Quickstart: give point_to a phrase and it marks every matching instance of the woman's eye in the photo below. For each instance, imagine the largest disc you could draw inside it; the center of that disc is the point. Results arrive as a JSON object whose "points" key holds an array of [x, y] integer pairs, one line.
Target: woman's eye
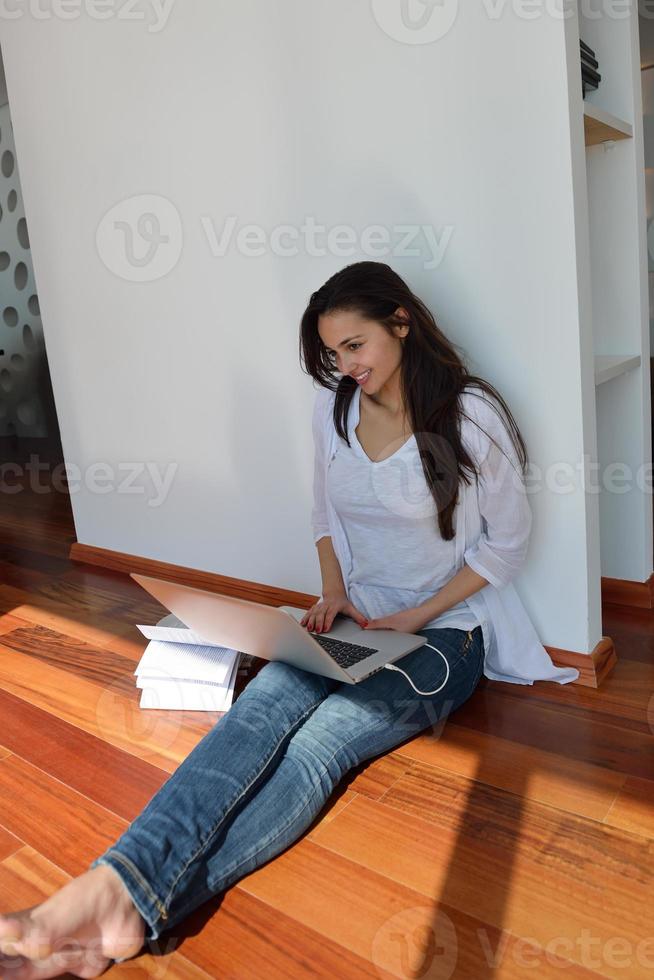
{"points": [[332, 354]]}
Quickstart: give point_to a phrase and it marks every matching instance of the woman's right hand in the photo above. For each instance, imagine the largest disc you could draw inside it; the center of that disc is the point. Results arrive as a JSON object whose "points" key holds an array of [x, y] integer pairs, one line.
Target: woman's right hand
{"points": [[322, 614]]}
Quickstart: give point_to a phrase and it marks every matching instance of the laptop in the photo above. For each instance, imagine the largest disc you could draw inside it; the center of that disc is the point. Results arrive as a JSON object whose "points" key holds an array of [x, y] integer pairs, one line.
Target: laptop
{"points": [[346, 652]]}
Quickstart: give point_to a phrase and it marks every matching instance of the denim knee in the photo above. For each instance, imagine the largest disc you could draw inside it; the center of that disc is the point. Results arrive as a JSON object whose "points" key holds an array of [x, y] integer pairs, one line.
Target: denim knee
{"points": [[319, 760], [280, 679], [329, 743]]}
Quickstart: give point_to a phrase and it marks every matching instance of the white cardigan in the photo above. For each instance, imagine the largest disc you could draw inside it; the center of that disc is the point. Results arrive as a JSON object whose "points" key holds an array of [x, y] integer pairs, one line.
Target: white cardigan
{"points": [[513, 651]]}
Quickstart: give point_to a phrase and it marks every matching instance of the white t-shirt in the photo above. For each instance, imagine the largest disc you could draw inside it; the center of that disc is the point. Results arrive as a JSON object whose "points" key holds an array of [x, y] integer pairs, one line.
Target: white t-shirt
{"points": [[492, 522], [399, 558]]}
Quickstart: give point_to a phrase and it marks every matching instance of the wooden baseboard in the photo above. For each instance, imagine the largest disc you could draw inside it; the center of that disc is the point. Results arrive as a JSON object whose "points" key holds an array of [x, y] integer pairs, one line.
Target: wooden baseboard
{"points": [[622, 592], [593, 667]]}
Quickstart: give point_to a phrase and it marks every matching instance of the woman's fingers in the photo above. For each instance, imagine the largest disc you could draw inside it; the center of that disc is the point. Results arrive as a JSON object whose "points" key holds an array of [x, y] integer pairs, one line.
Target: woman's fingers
{"points": [[308, 616], [316, 620]]}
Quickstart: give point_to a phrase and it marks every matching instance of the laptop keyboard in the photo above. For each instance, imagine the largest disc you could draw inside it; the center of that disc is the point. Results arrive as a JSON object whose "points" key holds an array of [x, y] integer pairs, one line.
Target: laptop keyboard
{"points": [[345, 654]]}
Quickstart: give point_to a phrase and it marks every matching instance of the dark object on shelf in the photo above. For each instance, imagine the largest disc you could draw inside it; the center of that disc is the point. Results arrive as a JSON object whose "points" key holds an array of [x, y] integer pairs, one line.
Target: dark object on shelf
{"points": [[590, 78], [586, 87], [587, 60]]}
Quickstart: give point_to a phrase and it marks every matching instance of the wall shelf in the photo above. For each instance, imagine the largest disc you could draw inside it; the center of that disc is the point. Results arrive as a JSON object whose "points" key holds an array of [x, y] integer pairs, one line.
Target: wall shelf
{"points": [[600, 125], [609, 366]]}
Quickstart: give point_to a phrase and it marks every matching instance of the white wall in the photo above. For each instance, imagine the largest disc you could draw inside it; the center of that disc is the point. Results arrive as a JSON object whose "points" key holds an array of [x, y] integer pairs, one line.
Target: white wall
{"points": [[273, 112]]}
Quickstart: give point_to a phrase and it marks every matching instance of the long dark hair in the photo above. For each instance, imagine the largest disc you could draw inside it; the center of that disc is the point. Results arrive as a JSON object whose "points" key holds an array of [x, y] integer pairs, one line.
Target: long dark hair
{"points": [[432, 375]]}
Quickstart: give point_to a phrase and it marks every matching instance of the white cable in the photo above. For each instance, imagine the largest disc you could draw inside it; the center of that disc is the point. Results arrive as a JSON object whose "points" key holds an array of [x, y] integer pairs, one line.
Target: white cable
{"points": [[425, 693]]}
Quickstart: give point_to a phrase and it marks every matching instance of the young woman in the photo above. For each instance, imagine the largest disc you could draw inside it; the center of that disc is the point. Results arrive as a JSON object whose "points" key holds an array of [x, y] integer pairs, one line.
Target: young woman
{"points": [[399, 434]]}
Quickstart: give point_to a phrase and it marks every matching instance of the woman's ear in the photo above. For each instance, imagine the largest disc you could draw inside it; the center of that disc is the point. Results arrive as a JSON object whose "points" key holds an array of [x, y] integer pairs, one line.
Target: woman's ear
{"points": [[402, 331]]}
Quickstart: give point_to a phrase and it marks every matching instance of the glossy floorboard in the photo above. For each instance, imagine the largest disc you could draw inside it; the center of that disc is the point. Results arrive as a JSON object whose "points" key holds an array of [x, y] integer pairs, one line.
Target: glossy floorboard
{"points": [[517, 839]]}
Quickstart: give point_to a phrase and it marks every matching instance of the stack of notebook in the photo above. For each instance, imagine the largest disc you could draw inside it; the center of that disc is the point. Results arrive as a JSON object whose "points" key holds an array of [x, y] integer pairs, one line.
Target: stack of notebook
{"points": [[181, 671], [590, 77]]}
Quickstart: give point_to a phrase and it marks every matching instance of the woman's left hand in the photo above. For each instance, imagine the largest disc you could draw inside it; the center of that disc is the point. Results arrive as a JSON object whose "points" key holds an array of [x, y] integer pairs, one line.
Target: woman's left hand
{"points": [[405, 621]]}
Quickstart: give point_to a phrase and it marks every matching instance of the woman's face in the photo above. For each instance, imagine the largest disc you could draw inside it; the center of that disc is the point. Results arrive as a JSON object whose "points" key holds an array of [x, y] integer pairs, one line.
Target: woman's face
{"points": [[357, 346]]}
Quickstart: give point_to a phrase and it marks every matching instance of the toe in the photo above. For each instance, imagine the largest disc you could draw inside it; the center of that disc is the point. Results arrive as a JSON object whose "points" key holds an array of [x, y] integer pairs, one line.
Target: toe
{"points": [[21, 968], [18, 937], [11, 926], [71, 961]]}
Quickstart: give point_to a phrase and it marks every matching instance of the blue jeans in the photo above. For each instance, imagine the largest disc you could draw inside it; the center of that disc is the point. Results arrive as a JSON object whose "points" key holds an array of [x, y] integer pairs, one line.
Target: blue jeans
{"points": [[258, 779]]}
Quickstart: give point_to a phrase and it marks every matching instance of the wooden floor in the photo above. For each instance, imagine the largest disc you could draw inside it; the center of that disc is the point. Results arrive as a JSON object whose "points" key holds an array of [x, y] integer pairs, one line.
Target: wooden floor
{"points": [[517, 840]]}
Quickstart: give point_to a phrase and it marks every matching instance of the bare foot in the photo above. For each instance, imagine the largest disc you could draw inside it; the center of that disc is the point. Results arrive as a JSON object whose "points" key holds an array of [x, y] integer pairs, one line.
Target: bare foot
{"points": [[80, 929]]}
